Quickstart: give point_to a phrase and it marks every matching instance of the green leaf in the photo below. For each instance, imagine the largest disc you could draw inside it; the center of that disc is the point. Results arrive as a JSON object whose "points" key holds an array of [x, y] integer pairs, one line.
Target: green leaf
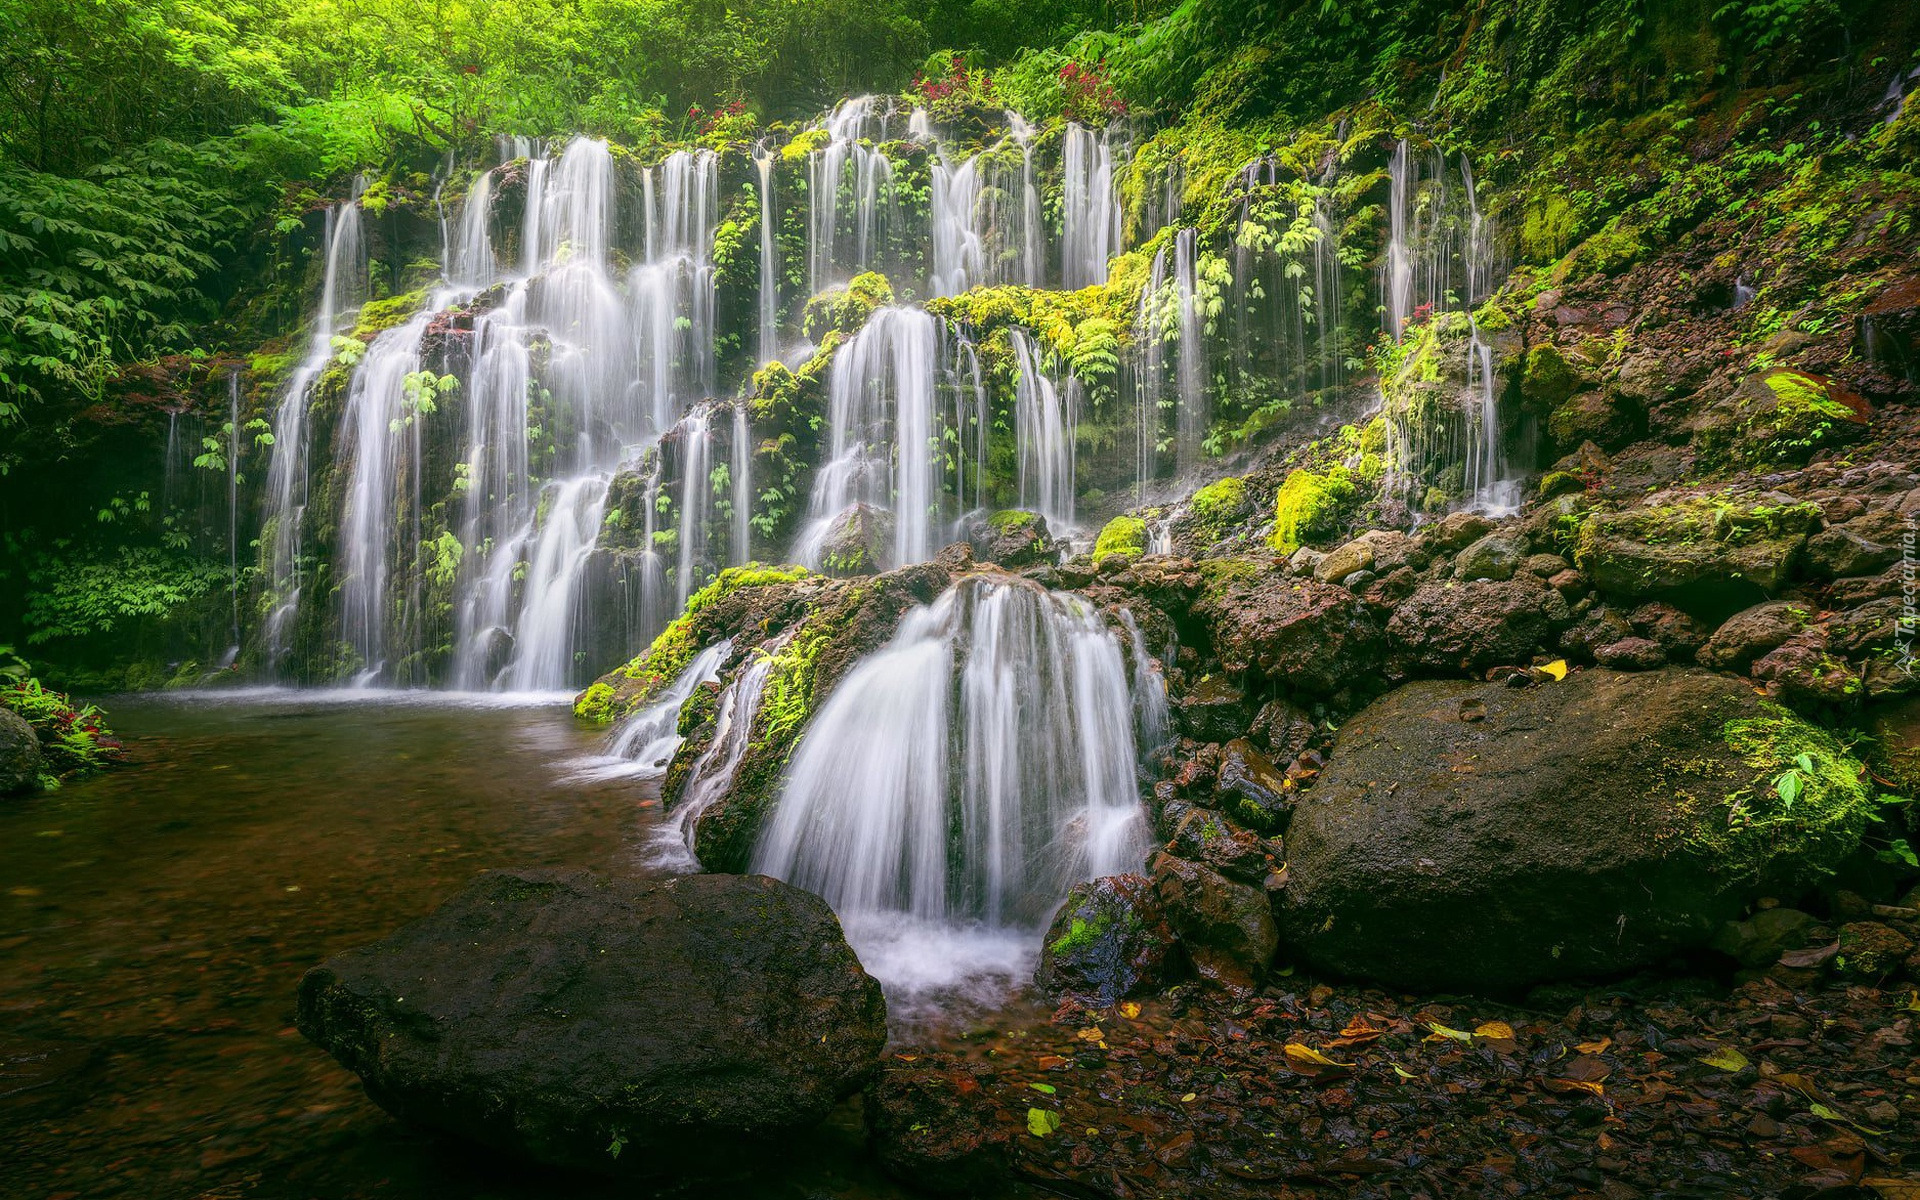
{"points": [[1041, 1122]]}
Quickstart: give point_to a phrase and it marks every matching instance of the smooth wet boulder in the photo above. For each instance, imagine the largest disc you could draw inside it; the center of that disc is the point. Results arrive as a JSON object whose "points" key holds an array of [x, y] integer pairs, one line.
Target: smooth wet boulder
{"points": [[1213, 710], [20, 759], [1478, 836], [1110, 940], [1472, 625], [606, 1024], [1227, 928], [1251, 789], [933, 1127]]}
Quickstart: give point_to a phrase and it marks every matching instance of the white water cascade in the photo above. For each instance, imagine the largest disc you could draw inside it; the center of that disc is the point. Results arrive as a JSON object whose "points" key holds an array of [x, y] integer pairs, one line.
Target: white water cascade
{"points": [[1170, 316], [969, 772], [850, 192], [343, 287], [712, 772], [1043, 425], [648, 738], [1090, 207], [883, 452], [769, 347]]}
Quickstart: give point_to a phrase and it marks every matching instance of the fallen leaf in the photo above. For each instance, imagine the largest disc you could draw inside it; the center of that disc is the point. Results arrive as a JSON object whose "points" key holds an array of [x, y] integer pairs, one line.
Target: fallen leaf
{"points": [[1190, 1097], [1812, 956], [1048, 1062], [1041, 1121], [1440, 1033], [1575, 1085], [1494, 1029], [1599, 1047], [1557, 668], [1828, 1114], [1726, 1058], [1130, 1010], [1894, 1189], [1093, 1034], [1308, 1061], [1403, 1073], [1042, 1087], [1358, 1032]]}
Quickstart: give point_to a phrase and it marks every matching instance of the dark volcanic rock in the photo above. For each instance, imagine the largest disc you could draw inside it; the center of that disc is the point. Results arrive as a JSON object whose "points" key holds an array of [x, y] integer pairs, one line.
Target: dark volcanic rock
{"points": [[1473, 625], [557, 1015], [1251, 789], [1213, 710], [1316, 636], [1284, 728], [933, 1128], [1477, 836], [1110, 940], [20, 760], [1226, 927], [1013, 538]]}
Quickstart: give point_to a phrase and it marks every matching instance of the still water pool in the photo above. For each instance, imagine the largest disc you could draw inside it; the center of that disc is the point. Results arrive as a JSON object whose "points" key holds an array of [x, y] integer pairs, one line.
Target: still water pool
{"points": [[154, 923]]}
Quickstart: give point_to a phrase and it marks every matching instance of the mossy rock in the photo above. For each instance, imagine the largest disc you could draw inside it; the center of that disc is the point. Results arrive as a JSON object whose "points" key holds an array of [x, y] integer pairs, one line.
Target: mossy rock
{"points": [[1125, 537], [1780, 417], [1310, 507], [1574, 829], [1712, 550], [844, 310], [1219, 504]]}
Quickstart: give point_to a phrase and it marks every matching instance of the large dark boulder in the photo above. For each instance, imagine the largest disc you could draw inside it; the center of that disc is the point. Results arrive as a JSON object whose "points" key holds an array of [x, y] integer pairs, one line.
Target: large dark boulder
{"points": [[606, 1024], [1227, 928], [1478, 836], [1472, 625], [20, 759]]}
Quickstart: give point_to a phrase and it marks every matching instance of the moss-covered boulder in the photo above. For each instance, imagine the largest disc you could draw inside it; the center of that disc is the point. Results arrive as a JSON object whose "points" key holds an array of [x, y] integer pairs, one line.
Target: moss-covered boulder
{"points": [[1310, 506], [1480, 837], [1122, 537], [1110, 940], [1778, 417], [1013, 537], [1219, 505], [845, 309], [1704, 550]]}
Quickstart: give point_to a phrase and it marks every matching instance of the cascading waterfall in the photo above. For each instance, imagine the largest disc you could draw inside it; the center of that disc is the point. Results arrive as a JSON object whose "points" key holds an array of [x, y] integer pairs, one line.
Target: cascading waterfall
{"points": [[972, 770], [1090, 207], [712, 772], [1170, 313], [555, 554], [742, 480], [695, 448], [883, 453], [649, 737], [850, 162], [769, 267], [1044, 425], [342, 288]]}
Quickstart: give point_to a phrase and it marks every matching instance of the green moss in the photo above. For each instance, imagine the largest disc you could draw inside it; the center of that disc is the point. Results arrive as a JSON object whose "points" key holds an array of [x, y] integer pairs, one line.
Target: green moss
{"points": [[1082, 934], [1218, 504], [1308, 506], [595, 704], [378, 316], [1548, 379], [845, 310], [1805, 811], [1010, 519], [683, 638], [1125, 537]]}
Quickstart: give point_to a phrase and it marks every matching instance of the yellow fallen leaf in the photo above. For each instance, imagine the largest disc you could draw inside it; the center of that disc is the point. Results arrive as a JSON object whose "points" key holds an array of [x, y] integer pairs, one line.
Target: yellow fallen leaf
{"points": [[1913, 1001], [1190, 1097], [1726, 1058], [1403, 1073], [1828, 1114], [1440, 1033], [1599, 1047], [1494, 1029], [1130, 1010], [1093, 1034], [1305, 1057], [1557, 668]]}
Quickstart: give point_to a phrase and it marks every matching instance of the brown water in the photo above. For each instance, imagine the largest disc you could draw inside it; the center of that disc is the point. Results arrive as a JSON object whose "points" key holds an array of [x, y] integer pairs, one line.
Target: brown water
{"points": [[156, 920]]}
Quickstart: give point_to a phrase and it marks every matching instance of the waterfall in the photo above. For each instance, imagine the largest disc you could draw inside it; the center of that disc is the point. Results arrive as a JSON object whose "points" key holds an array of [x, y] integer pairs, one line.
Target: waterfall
{"points": [[471, 261], [1032, 256], [343, 286], [742, 472], [959, 254], [769, 283], [555, 554], [1170, 311], [570, 363], [848, 161], [1090, 208], [1150, 708], [1397, 284], [695, 438], [233, 505], [649, 737], [712, 772], [375, 437], [882, 449], [1044, 427], [973, 769]]}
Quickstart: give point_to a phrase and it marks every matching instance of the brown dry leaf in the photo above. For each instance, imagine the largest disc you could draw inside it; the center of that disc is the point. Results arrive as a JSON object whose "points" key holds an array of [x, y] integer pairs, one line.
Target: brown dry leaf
{"points": [[1894, 1189], [1812, 956], [1575, 1085], [1049, 1061], [1599, 1047], [1587, 1069], [1358, 1032]]}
